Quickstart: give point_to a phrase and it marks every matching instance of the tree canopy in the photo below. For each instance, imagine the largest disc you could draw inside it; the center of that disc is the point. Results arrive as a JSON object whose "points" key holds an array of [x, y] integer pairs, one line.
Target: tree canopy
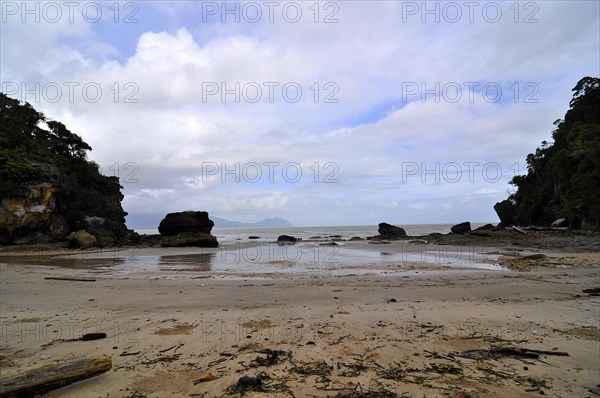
{"points": [[563, 177]]}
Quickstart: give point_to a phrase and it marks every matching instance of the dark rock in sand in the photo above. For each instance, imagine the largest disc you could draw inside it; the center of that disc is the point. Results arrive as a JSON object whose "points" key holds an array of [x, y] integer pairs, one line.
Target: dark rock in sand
{"points": [[461, 228], [186, 221], [481, 233], [253, 237], [286, 238], [356, 238], [486, 227], [435, 235], [388, 231], [186, 239]]}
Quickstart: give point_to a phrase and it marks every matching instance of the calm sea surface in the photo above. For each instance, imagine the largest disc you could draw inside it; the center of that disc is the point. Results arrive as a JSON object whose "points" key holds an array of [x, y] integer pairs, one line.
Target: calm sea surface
{"points": [[239, 257], [346, 232]]}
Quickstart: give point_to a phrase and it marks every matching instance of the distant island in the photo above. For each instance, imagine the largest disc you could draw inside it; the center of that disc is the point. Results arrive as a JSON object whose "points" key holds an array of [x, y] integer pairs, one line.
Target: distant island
{"points": [[275, 222]]}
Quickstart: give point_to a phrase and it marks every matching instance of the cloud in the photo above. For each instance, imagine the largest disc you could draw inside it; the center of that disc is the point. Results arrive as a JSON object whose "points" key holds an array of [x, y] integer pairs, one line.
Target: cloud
{"points": [[450, 144]]}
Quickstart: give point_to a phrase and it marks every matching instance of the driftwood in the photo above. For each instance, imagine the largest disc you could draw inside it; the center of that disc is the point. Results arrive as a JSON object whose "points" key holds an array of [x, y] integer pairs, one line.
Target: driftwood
{"points": [[495, 353], [57, 278], [50, 377], [93, 336]]}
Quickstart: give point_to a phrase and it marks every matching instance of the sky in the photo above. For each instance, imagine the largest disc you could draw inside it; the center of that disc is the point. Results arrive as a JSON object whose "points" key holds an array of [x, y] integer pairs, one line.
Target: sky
{"points": [[319, 112]]}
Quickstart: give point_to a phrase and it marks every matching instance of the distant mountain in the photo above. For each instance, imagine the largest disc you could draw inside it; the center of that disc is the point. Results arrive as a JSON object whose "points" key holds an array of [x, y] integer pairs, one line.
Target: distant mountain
{"points": [[275, 222]]}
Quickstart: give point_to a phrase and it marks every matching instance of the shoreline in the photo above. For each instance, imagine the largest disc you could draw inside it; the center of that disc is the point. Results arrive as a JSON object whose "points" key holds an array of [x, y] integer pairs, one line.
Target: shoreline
{"points": [[387, 332]]}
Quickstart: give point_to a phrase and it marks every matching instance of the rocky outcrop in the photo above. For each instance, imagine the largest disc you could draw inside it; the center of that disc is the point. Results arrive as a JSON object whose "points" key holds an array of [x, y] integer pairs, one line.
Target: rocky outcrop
{"points": [[29, 213], [461, 228], [107, 232], [47, 184], [186, 221], [506, 212], [286, 239], [186, 239], [187, 228], [388, 231]]}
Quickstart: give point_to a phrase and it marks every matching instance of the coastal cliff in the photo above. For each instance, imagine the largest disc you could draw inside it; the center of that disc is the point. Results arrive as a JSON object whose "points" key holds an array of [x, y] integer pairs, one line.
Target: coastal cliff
{"points": [[48, 187]]}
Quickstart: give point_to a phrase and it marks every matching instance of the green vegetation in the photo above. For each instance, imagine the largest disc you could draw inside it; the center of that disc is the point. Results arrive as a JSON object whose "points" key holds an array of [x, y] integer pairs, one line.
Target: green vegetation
{"points": [[27, 136], [563, 178]]}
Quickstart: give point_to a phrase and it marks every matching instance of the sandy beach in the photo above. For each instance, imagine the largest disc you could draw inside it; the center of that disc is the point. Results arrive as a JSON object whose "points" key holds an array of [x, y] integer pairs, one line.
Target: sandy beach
{"points": [[405, 329]]}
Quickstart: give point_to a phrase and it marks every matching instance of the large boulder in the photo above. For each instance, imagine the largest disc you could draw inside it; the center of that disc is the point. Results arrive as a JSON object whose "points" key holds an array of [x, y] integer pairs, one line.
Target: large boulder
{"points": [[81, 239], [391, 231], [286, 238], [506, 212], [186, 221], [185, 239], [461, 228]]}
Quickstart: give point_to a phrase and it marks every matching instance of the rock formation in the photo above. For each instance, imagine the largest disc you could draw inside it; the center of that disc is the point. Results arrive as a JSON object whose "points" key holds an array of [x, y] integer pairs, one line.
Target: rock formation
{"points": [[48, 187], [29, 213], [461, 228], [390, 232], [187, 228]]}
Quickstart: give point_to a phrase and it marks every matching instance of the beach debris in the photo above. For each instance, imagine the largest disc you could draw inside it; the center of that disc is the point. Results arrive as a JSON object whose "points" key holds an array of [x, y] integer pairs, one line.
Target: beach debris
{"points": [[498, 352], [273, 357], [319, 368], [595, 390], [519, 230], [166, 358], [41, 380], [176, 346], [126, 353], [367, 394], [592, 292], [60, 278], [207, 377], [225, 356], [93, 336]]}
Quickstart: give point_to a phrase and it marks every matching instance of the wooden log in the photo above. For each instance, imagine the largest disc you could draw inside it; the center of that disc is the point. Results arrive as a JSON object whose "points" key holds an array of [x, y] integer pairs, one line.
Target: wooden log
{"points": [[57, 278], [93, 336], [50, 377]]}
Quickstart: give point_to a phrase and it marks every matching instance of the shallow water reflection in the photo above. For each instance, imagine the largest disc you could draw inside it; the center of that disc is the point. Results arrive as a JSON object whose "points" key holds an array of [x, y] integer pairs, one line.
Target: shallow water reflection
{"points": [[266, 260]]}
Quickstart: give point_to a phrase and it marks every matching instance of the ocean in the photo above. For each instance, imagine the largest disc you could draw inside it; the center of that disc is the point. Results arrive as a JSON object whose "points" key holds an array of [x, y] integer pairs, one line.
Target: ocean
{"points": [[344, 232]]}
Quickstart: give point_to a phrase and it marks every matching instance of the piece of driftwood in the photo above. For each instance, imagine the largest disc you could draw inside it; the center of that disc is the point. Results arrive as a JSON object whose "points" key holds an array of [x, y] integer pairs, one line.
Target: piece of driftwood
{"points": [[93, 336], [495, 353], [32, 382], [58, 278]]}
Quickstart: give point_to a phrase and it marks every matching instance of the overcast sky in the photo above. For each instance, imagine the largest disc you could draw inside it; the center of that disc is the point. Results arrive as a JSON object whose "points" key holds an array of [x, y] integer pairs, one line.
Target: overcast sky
{"points": [[323, 113]]}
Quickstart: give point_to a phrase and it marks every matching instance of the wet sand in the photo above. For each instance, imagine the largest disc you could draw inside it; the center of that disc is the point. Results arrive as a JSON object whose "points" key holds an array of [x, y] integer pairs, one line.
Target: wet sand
{"points": [[394, 329]]}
